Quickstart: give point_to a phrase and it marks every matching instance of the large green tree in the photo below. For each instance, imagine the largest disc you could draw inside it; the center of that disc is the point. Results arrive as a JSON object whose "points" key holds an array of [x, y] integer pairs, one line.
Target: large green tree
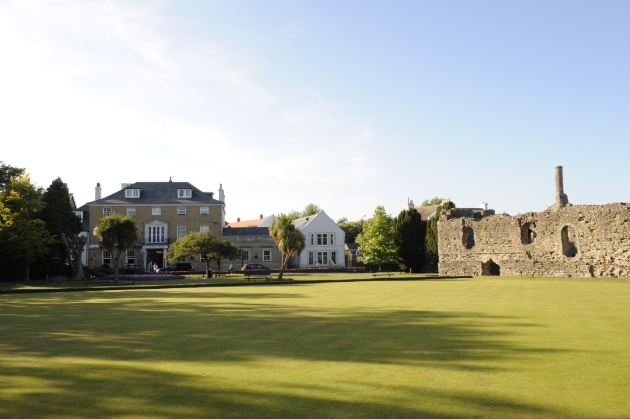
{"points": [[289, 239], [23, 236], [60, 220], [409, 232], [204, 244], [431, 202], [117, 232], [378, 240], [431, 237], [7, 172]]}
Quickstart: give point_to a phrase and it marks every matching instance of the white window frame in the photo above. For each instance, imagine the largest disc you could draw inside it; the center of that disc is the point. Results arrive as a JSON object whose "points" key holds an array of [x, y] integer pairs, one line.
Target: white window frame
{"points": [[106, 255], [311, 258], [322, 258], [181, 231], [156, 211], [245, 252], [132, 257], [107, 210], [204, 210], [204, 228], [266, 255], [79, 214], [332, 239], [132, 193], [181, 260], [181, 210], [156, 234], [333, 257], [184, 193], [131, 211]]}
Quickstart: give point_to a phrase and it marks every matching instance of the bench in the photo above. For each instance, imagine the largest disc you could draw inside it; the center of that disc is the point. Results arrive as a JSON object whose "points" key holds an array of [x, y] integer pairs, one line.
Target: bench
{"points": [[388, 273]]}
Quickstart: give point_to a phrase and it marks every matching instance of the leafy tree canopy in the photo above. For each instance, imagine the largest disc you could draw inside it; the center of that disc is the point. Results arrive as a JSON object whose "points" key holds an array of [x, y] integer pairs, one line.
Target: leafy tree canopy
{"points": [[410, 233], [431, 202], [378, 240], [118, 232], [352, 230], [310, 209], [7, 172], [288, 238], [203, 244]]}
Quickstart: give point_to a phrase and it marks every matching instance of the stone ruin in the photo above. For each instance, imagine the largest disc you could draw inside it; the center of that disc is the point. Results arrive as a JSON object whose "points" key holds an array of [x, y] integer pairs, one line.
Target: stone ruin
{"points": [[567, 240]]}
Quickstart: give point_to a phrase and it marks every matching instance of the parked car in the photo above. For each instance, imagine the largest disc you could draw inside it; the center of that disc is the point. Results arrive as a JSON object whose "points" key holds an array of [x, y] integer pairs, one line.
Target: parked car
{"points": [[132, 269], [177, 267], [256, 268]]}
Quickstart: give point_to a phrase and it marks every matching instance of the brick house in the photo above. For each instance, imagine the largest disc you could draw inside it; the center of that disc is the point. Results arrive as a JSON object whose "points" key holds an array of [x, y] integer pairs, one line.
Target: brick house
{"points": [[164, 212], [254, 241]]}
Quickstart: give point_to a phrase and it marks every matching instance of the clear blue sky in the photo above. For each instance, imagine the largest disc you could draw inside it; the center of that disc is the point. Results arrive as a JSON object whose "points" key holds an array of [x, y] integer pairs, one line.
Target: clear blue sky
{"points": [[345, 104]]}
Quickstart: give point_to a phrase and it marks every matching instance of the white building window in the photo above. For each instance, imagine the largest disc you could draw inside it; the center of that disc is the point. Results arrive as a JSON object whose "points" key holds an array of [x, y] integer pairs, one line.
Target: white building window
{"points": [[204, 228], [181, 231], [132, 193], [204, 210], [322, 239], [107, 211], [332, 239], [181, 211], [184, 193], [245, 255], [107, 257], [156, 211], [131, 211], [266, 255], [312, 239], [333, 257], [79, 214], [322, 258], [156, 234], [131, 257], [311, 259]]}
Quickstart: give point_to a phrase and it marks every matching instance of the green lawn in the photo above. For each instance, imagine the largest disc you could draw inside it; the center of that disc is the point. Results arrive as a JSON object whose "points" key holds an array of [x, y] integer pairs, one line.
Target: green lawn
{"points": [[482, 347]]}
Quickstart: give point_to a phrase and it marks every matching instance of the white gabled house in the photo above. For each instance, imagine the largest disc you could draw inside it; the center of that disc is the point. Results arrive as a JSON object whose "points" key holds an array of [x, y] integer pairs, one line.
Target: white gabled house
{"points": [[325, 242]]}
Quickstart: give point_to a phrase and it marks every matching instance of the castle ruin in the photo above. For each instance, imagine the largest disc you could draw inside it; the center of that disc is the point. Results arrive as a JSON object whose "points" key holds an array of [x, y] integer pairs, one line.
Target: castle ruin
{"points": [[565, 240]]}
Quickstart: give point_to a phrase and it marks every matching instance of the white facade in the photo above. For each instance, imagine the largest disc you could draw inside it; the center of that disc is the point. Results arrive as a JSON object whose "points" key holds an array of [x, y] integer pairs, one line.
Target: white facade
{"points": [[325, 242]]}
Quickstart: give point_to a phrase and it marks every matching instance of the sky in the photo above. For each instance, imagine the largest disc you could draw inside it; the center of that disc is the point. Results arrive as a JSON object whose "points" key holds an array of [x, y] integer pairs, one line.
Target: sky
{"points": [[345, 104]]}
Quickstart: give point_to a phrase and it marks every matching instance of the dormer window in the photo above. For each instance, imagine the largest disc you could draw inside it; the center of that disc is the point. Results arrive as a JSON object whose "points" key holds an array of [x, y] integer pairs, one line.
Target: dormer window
{"points": [[132, 193], [184, 193]]}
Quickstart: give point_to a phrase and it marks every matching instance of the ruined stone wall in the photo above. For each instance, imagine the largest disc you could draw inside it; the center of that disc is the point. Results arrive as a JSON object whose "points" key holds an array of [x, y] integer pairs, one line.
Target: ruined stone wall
{"points": [[578, 241]]}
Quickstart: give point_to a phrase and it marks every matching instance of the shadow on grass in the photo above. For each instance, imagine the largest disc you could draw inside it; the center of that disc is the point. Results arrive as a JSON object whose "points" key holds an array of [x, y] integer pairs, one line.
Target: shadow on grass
{"points": [[171, 354]]}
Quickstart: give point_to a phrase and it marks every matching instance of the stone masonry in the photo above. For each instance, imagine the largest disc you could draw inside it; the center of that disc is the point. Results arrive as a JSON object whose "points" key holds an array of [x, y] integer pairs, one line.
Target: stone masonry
{"points": [[565, 240]]}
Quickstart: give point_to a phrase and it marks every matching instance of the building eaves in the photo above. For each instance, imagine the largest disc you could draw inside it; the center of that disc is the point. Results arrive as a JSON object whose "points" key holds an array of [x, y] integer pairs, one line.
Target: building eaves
{"points": [[158, 193]]}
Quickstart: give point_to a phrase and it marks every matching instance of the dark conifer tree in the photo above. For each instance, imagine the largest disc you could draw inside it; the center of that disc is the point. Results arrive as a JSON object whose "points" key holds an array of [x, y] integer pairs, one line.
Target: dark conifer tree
{"points": [[410, 232], [58, 216]]}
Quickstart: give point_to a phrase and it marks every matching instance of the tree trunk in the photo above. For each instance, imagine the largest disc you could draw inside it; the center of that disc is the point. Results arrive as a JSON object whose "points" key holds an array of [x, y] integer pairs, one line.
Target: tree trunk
{"points": [[116, 265], [207, 268], [28, 272], [284, 264], [379, 266]]}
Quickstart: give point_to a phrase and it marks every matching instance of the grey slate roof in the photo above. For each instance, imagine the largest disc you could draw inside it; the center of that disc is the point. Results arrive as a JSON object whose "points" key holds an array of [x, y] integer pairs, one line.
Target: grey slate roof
{"points": [[154, 193], [246, 231], [427, 212]]}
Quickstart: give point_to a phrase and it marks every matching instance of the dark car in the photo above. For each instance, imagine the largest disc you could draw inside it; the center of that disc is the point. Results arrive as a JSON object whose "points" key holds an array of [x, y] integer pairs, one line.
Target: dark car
{"points": [[256, 268], [177, 267]]}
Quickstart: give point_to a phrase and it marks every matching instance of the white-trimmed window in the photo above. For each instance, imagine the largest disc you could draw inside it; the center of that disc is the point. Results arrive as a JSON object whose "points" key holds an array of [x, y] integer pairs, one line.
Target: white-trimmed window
{"points": [[312, 239], [266, 255], [245, 255], [204, 210], [182, 260], [333, 256], [184, 193], [156, 211], [107, 257], [156, 234], [181, 210], [131, 211], [79, 214], [107, 210], [181, 231], [332, 239], [131, 257], [322, 239], [204, 228], [311, 258], [132, 193], [322, 258]]}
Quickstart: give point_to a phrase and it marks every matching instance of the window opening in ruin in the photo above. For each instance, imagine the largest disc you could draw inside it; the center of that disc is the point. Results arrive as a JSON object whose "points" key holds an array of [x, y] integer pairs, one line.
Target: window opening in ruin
{"points": [[569, 247], [528, 235], [468, 237], [490, 268]]}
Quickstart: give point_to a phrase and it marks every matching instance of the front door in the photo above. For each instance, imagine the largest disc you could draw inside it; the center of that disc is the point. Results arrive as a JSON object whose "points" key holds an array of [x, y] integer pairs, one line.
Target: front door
{"points": [[154, 257]]}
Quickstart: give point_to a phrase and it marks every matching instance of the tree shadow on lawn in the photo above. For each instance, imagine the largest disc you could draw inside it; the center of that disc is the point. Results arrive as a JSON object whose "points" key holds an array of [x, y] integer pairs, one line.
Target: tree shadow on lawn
{"points": [[116, 354]]}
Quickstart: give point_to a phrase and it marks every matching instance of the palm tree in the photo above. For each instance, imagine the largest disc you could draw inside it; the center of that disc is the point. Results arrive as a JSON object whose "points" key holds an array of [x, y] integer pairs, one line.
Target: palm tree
{"points": [[117, 231], [288, 238]]}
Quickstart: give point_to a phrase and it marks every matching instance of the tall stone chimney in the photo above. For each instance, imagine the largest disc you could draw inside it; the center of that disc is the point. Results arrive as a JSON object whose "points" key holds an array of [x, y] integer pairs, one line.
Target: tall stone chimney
{"points": [[562, 200], [97, 192], [221, 194]]}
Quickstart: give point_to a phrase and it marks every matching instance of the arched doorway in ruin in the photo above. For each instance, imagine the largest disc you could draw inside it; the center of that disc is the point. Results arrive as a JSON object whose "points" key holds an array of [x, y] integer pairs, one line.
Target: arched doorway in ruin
{"points": [[569, 243], [490, 268]]}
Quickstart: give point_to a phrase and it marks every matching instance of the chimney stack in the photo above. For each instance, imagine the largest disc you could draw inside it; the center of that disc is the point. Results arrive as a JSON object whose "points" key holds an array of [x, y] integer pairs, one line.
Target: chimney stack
{"points": [[562, 200], [484, 206], [221, 194], [97, 192]]}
